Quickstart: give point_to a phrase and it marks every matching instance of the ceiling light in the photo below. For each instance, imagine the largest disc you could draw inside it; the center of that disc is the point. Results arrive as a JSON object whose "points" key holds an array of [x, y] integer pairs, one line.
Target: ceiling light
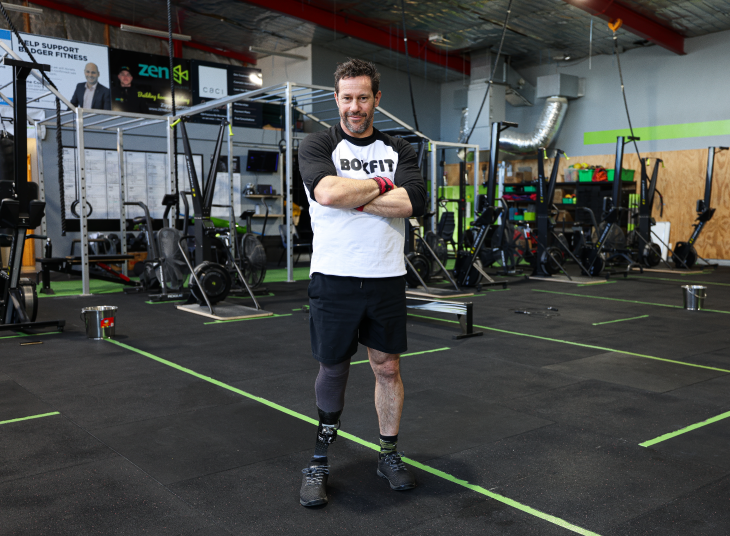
{"points": [[154, 33], [23, 9], [259, 50], [435, 37]]}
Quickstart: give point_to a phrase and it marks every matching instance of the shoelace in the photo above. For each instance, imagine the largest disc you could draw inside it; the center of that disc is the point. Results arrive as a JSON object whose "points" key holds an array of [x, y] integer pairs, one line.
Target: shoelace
{"points": [[315, 473], [395, 462]]}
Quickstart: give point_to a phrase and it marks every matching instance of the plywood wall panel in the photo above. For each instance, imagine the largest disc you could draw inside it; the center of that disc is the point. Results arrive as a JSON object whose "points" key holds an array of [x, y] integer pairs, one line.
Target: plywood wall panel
{"points": [[681, 182]]}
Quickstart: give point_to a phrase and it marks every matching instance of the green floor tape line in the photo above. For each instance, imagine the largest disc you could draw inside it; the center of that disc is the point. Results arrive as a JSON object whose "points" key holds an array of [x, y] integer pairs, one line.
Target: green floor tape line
{"points": [[626, 301], [31, 417], [163, 302], [577, 344], [30, 334], [406, 355], [244, 319], [594, 284], [680, 280], [621, 320], [682, 431], [373, 446]]}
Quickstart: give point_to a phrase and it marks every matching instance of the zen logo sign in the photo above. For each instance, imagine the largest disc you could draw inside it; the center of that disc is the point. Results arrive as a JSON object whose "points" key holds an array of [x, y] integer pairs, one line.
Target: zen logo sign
{"points": [[154, 71]]}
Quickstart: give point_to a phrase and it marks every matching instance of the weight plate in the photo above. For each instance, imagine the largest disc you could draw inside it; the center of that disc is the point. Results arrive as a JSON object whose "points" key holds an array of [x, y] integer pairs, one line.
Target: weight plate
{"points": [[421, 265]]}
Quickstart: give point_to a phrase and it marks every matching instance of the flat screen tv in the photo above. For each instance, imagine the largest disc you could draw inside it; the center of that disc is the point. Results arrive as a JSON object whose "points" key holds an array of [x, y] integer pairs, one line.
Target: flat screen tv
{"points": [[262, 161]]}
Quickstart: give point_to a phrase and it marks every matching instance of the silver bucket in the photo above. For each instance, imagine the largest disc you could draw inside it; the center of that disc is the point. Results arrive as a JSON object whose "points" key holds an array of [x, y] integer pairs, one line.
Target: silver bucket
{"points": [[694, 297], [100, 321]]}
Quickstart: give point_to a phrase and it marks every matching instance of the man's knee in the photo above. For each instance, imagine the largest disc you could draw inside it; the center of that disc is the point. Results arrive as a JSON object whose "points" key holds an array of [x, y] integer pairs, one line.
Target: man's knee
{"points": [[385, 366]]}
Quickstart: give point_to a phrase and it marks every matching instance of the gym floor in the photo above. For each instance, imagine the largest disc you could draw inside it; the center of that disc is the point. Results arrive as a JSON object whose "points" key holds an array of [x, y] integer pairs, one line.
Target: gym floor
{"points": [[549, 423]]}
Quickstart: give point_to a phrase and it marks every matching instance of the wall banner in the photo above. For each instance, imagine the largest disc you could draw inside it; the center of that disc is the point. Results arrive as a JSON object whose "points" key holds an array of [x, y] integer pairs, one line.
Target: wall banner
{"points": [[140, 82], [75, 67], [214, 80]]}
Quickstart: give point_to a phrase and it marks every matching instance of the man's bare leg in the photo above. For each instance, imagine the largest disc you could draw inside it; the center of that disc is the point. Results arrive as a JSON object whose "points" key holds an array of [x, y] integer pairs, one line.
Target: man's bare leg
{"points": [[389, 405], [388, 390]]}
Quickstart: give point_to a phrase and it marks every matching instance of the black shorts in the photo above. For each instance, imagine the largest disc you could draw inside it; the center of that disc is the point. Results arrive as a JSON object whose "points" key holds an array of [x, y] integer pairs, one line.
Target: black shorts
{"points": [[346, 310]]}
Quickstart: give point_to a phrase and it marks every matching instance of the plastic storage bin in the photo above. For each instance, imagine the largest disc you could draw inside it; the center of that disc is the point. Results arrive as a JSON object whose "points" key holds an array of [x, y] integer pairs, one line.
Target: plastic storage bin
{"points": [[585, 175], [627, 175]]}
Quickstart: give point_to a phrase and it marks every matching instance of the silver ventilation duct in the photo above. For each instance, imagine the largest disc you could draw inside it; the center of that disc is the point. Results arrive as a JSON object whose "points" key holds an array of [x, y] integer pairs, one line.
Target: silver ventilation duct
{"points": [[545, 131]]}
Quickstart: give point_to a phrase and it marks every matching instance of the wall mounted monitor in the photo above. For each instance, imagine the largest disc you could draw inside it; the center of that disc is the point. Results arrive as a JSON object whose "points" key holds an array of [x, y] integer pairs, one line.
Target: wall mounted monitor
{"points": [[262, 161]]}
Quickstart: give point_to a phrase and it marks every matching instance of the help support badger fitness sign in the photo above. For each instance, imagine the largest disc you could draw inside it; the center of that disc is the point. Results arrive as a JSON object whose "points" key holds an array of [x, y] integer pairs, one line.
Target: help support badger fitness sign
{"points": [[68, 61]]}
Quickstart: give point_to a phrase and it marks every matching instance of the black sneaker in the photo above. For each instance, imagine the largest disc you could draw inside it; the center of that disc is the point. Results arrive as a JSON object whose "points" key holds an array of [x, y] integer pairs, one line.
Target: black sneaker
{"points": [[392, 468], [314, 485]]}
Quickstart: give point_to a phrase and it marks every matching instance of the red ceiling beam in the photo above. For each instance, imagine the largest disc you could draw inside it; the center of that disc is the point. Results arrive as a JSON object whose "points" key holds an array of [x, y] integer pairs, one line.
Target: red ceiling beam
{"points": [[177, 51], [363, 32], [635, 22]]}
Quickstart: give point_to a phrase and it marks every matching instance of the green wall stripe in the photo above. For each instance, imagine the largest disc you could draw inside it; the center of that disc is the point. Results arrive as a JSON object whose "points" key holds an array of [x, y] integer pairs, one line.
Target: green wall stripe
{"points": [[31, 417], [685, 430], [373, 446], [620, 320], [627, 301], [577, 344], [405, 355], [661, 132]]}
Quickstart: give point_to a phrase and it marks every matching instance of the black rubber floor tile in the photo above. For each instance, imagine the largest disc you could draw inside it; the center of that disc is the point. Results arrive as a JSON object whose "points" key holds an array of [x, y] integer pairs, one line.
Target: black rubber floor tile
{"points": [[106, 497], [165, 393], [591, 480], [16, 402], [715, 391], [699, 513], [484, 378], [526, 350], [616, 410], [486, 518], [435, 423], [263, 498], [183, 446], [638, 372], [709, 444], [36, 446], [72, 365]]}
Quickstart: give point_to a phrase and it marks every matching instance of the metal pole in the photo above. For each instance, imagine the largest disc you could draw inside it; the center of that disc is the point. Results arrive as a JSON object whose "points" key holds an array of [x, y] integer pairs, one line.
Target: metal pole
{"points": [[81, 166], [289, 178], [476, 181], [122, 196], [171, 164], [41, 182], [232, 221], [434, 185]]}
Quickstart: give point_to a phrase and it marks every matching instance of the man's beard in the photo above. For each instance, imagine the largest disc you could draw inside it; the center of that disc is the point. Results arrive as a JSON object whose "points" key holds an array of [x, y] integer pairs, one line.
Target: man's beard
{"points": [[355, 129]]}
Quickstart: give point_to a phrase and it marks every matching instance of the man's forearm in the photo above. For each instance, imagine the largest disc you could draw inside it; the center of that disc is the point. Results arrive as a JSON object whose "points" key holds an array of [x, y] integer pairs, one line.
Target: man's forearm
{"points": [[341, 192], [393, 204]]}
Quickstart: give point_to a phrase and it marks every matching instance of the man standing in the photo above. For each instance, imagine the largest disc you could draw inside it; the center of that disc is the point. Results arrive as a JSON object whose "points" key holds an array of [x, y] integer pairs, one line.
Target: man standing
{"points": [[92, 94], [361, 184]]}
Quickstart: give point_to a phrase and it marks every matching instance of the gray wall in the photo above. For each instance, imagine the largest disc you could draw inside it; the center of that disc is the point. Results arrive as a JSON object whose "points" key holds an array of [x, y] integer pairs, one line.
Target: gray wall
{"points": [[661, 89], [394, 86]]}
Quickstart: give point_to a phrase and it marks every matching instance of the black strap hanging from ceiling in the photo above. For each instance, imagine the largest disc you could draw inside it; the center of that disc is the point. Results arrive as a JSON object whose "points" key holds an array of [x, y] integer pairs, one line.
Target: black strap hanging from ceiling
{"points": [[615, 25], [408, 69], [174, 110], [59, 141], [494, 70]]}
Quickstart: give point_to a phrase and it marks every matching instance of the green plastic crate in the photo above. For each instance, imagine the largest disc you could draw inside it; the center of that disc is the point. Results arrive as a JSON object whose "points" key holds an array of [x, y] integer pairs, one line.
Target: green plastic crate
{"points": [[585, 175], [627, 175]]}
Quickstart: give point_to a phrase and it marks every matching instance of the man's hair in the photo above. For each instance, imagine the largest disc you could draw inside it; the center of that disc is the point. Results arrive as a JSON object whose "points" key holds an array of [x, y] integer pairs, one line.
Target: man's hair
{"points": [[353, 68]]}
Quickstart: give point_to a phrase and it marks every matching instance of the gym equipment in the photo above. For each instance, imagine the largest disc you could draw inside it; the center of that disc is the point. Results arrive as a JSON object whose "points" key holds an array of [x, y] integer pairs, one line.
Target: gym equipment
{"points": [[20, 210], [684, 254], [210, 281], [468, 270], [462, 310], [648, 253], [610, 236], [549, 259]]}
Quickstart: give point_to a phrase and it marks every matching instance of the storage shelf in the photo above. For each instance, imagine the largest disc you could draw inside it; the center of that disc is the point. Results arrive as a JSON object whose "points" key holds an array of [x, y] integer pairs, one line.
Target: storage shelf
{"points": [[260, 196], [270, 216]]}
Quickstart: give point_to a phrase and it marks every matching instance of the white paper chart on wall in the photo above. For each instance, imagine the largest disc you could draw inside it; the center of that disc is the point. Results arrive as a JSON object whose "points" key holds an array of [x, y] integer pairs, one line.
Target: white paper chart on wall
{"points": [[145, 179]]}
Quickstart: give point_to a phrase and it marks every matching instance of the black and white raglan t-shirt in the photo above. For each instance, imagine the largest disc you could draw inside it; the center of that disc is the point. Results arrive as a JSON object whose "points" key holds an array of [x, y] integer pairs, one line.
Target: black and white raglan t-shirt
{"points": [[348, 242]]}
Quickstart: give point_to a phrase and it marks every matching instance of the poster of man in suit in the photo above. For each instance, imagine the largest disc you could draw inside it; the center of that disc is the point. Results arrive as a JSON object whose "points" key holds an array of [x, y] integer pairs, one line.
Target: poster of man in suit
{"points": [[79, 70], [92, 94]]}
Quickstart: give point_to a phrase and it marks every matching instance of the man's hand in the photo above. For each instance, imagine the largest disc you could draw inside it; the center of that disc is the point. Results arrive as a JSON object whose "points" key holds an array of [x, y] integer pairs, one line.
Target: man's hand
{"points": [[384, 183]]}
